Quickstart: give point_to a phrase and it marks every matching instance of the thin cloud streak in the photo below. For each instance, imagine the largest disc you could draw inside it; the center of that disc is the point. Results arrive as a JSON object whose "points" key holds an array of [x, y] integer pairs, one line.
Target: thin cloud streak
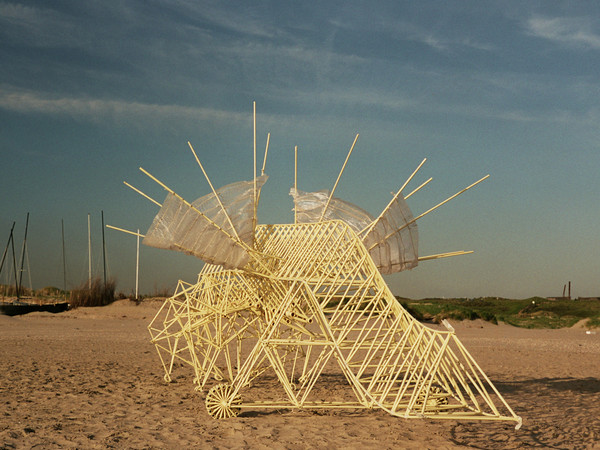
{"points": [[232, 20], [571, 31], [17, 13], [102, 110], [402, 30], [38, 27], [116, 111]]}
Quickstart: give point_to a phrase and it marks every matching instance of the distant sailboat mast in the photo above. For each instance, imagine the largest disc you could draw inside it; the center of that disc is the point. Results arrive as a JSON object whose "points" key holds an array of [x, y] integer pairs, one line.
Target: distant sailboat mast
{"points": [[20, 280], [89, 255], [103, 249], [64, 258], [10, 240], [137, 265], [12, 244]]}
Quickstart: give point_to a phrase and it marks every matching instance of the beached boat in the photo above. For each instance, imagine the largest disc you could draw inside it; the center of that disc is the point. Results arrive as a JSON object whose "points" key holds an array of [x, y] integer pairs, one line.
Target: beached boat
{"points": [[17, 308]]}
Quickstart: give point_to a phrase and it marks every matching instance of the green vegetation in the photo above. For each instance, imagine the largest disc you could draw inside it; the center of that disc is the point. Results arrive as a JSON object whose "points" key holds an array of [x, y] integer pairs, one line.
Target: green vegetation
{"points": [[82, 295], [11, 291], [535, 312], [49, 291]]}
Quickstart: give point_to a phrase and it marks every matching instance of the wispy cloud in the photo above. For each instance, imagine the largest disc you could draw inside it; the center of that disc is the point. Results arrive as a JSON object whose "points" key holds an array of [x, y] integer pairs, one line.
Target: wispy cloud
{"points": [[565, 30], [511, 114], [35, 26], [16, 12], [128, 113], [448, 43], [114, 111], [439, 40], [238, 20]]}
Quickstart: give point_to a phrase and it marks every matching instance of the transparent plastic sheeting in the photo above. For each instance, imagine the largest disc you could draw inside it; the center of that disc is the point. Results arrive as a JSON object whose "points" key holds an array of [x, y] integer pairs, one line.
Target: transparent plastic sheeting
{"points": [[395, 244], [177, 226]]}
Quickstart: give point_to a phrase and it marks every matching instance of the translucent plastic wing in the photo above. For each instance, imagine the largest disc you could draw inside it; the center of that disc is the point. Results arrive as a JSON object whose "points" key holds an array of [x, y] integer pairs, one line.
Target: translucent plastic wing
{"points": [[309, 207], [204, 227], [392, 242]]}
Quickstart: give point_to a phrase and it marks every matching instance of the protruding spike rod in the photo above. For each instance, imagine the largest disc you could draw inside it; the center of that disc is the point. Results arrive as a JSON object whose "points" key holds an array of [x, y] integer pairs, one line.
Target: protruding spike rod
{"points": [[125, 231], [189, 205], [450, 198], [214, 191], [417, 189], [253, 253], [262, 171], [338, 179], [445, 255], [365, 231], [432, 209], [142, 194], [255, 197], [139, 235], [295, 179]]}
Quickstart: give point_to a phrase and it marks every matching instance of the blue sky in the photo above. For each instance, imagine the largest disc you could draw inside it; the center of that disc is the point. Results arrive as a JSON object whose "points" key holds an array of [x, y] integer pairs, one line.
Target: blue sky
{"points": [[90, 91]]}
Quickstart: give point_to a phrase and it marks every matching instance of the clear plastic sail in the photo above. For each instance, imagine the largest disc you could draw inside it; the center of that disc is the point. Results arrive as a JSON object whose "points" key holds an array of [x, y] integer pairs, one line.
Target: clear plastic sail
{"points": [[217, 233], [392, 241]]}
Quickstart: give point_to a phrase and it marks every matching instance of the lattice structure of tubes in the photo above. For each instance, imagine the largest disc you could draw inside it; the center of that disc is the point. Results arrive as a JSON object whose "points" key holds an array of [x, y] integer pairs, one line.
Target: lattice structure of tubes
{"points": [[325, 304], [305, 306]]}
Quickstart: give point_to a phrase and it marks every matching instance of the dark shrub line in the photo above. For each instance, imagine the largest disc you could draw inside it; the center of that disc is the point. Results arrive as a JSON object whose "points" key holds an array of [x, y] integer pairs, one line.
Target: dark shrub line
{"points": [[99, 294]]}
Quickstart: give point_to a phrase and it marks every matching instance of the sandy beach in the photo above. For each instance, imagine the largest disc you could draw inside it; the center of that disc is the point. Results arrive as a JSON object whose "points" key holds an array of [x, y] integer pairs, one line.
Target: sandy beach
{"points": [[90, 378]]}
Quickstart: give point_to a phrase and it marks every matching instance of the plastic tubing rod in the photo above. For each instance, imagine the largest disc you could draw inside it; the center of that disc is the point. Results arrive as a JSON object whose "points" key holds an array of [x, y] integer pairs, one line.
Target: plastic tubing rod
{"points": [[338, 179], [262, 171], [125, 231], [445, 255], [254, 170], [189, 205], [369, 227], [142, 194], [213, 190], [296, 181], [431, 209], [417, 189]]}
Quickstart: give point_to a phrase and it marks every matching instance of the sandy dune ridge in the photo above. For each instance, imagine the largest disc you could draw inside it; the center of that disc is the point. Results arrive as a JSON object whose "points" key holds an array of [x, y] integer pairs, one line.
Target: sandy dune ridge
{"points": [[90, 378]]}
